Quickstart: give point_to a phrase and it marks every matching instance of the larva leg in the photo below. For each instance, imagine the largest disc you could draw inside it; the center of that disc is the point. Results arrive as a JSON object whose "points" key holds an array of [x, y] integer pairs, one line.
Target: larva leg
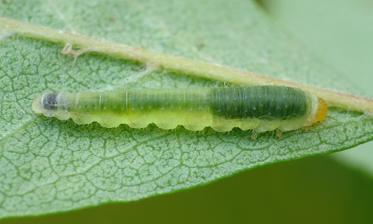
{"points": [[279, 134], [307, 128], [254, 135]]}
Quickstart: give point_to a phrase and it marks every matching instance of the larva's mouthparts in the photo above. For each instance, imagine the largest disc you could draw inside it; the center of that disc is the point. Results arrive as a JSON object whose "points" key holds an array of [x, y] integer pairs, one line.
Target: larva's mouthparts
{"points": [[36, 105]]}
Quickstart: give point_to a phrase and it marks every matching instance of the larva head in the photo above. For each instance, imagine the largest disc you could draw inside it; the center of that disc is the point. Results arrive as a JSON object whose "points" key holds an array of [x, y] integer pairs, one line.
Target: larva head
{"points": [[321, 111], [46, 104]]}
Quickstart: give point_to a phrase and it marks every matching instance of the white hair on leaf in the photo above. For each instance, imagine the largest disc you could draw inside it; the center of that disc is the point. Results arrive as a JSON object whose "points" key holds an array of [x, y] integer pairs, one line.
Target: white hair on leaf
{"points": [[5, 34]]}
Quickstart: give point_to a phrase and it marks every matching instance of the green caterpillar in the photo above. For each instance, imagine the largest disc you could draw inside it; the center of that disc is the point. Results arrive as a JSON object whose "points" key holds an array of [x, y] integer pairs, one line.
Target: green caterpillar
{"points": [[261, 108]]}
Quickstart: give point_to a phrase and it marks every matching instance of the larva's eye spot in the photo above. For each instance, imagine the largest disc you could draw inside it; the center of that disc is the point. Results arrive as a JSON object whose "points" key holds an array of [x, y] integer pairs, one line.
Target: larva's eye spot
{"points": [[46, 104], [49, 101]]}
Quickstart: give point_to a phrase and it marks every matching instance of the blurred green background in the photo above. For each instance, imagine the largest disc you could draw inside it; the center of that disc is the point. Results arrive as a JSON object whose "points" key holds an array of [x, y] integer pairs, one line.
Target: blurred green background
{"points": [[331, 189]]}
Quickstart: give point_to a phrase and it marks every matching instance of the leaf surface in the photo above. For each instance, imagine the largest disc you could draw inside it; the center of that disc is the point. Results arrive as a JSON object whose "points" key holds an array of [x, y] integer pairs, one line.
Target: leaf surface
{"points": [[340, 37], [50, 166]]}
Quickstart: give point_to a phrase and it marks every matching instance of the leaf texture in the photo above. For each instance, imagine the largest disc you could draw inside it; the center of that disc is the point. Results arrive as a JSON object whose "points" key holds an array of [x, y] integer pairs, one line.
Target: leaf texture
{"points": [[51, 166]]}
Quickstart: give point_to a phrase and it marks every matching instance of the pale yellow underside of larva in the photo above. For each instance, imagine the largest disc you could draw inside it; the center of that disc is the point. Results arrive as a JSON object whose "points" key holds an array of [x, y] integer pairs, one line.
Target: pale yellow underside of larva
{"points": [[191, 120]]}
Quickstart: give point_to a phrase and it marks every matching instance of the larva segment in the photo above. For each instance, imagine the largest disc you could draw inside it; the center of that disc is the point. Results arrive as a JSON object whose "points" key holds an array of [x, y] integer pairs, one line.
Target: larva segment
{"points": [[259, 102], [262, 108]]}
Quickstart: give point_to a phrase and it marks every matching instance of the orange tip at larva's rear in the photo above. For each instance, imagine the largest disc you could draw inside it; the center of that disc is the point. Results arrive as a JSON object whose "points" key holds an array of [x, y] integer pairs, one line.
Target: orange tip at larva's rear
{"points": [[322, 110]]}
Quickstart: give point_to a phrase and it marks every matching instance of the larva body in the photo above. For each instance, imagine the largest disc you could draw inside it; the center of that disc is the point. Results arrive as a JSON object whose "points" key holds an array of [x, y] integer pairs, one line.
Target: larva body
{"points": [[261, 108]]}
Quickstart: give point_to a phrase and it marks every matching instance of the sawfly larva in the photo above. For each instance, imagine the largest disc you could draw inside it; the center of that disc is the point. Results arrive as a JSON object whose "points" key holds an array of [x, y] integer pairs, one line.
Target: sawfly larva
{"points": [[260, 108]]}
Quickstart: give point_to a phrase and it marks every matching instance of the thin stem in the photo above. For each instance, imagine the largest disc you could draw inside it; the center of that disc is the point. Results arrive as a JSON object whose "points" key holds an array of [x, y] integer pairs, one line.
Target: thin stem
{"points": [[179, 64]]}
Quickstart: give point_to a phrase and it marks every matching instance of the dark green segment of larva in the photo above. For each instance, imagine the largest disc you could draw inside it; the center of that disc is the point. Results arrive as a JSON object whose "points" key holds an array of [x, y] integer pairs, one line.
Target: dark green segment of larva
{"points": [[262, 102], [262, 108]]}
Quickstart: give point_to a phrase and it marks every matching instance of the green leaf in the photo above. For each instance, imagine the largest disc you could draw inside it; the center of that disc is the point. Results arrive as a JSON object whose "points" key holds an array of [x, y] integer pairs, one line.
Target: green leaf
{"points": [[340, 36], [50, 166]]}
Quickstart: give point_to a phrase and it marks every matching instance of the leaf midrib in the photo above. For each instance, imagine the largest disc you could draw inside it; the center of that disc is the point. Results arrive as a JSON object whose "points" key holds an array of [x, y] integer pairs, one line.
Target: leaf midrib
{"points": [[178, 64]]}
